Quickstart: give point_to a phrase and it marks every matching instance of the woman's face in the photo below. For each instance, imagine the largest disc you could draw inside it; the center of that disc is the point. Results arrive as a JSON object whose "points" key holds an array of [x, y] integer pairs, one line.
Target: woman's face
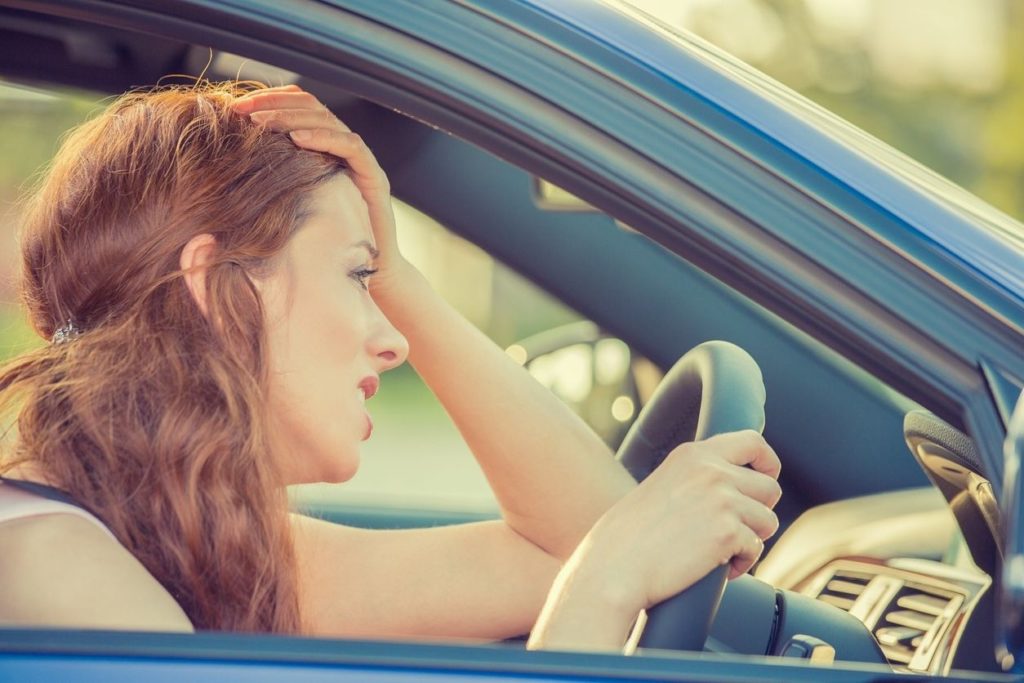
{"points": [[327, 340]]}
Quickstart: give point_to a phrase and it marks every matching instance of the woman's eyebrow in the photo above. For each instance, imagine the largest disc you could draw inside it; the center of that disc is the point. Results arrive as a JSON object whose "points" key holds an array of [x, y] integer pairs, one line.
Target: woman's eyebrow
{"points": [[369, 247]]}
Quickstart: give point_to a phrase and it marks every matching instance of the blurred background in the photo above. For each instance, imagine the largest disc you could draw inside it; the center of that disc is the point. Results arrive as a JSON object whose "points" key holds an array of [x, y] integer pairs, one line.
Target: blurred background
{"points": [[941, 80]]}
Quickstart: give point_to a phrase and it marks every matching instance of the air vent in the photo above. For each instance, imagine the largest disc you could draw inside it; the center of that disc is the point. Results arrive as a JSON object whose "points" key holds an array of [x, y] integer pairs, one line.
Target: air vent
{"points": [[843, 589], [908, 616], [916, 618]]}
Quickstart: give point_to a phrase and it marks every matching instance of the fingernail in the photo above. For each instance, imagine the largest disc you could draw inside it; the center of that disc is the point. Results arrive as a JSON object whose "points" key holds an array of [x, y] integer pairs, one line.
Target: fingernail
{"points": [[242, 106], [260, 116], [301, 135]]}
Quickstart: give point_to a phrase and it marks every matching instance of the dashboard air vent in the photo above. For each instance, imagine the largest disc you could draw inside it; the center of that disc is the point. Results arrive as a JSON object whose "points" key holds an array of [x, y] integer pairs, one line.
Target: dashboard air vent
{"points": [[844, 588], [916, 615], [910, 615]]}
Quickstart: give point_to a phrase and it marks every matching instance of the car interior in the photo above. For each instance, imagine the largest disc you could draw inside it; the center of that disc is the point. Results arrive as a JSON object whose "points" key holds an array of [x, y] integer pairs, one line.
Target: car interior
{"points": [[890, 533]]}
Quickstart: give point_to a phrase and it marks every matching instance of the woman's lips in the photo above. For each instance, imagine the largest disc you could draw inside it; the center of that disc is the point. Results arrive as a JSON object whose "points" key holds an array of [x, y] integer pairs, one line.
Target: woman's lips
{"points": [[367, 388]]}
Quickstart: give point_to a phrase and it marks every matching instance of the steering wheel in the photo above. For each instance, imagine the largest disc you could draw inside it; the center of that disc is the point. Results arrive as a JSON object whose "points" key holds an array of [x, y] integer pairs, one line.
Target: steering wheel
{"points": [[715, 388]]}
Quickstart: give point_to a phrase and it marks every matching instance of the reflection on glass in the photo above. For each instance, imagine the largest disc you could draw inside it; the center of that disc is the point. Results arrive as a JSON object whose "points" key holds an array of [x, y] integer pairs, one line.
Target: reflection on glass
{"points": [[623, 408], [567, 372], [517, 353], [611, 361]]}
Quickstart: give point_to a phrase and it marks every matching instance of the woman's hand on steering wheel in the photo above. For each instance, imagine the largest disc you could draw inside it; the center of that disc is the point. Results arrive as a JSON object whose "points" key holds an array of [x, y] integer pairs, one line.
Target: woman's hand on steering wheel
{"points": [[708, 504], [710, 499], [312, 126]]}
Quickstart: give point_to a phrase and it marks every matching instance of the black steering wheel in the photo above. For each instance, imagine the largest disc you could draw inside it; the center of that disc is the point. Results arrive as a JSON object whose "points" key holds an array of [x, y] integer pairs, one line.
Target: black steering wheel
{"points": [[715, 388]]}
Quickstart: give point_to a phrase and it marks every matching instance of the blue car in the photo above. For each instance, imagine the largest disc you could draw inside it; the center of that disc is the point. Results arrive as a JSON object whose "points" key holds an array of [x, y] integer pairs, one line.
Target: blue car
{"points": [[671, 196]]}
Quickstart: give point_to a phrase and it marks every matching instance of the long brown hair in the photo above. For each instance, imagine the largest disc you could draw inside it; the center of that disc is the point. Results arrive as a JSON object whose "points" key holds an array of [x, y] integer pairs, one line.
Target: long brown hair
{"points": [[153, 417]]}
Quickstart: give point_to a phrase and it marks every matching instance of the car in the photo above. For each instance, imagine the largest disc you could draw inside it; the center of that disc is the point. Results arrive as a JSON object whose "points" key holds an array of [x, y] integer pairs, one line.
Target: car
{"points": [[671, 195]]}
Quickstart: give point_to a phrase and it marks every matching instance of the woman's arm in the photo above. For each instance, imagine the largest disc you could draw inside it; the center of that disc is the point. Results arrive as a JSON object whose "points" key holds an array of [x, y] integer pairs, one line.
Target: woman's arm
{"points": [[702, 507], [552, 475], [479, 581]]}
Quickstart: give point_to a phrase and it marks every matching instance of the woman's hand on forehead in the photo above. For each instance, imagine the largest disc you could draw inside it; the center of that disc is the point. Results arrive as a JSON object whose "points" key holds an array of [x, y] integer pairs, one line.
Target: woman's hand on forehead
{"points": [[311, 125], [289, 109]]}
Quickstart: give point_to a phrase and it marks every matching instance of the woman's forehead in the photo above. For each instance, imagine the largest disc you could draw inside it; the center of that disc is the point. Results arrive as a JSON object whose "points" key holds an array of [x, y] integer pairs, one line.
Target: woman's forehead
{"points": [[339, 209]]}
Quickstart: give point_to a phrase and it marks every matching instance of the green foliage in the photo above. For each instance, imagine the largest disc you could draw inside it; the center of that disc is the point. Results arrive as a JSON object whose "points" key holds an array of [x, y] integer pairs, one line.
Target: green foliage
{"points": [[16, 336], [32, 125], [31, 132]]}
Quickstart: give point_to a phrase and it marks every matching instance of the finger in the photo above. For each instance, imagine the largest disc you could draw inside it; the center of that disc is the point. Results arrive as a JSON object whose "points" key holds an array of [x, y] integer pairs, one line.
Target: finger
{"points": [[753, 484], [285, 120], [348, 146], [291, 87], [746, 554], [288, 87], [275, 99], [748, 448], [757, 517]]}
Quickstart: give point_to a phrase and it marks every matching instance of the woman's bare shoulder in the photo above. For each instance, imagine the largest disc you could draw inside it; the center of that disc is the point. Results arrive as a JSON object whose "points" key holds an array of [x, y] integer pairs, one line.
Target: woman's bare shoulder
{"points": [[63, 570]]}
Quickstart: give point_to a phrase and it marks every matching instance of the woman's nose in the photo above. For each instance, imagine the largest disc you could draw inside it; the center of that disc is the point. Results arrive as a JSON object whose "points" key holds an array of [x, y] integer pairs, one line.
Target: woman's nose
{"points": [[390, 348]]}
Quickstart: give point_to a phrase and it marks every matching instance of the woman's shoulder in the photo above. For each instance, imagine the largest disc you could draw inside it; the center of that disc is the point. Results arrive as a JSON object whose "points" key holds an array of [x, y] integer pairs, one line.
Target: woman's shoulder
{"points": [[62, 567]]}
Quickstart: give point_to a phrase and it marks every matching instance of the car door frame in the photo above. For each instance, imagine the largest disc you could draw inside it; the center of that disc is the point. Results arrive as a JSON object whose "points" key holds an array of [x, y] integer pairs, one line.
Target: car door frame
{"points": [[112, 657]]}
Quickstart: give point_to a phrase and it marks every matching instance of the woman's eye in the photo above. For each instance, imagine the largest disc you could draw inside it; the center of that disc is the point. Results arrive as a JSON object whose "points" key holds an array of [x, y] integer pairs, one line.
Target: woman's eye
{"points": [[362, 276]]}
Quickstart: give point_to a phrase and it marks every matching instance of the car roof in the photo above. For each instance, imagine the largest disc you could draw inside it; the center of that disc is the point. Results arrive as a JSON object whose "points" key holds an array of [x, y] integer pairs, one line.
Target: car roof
{"points": [[962, 226]]}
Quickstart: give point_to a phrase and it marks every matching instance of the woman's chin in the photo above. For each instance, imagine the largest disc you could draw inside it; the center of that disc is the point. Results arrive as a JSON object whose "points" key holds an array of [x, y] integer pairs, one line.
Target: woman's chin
{"points": [[340, 475], [331, 469]]}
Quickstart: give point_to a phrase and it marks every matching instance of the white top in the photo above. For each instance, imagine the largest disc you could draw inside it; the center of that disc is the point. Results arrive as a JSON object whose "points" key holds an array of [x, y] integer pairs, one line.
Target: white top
{"points": [[18, 504]]}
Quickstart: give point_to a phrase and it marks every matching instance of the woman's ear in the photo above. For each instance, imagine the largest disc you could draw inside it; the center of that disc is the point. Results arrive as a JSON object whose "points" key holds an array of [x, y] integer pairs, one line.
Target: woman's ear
{"points": [[195, 257]]}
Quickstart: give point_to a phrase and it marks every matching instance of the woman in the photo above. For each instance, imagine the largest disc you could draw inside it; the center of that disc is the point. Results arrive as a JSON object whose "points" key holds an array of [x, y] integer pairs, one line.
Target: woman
{"points": [[202, 260]]}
